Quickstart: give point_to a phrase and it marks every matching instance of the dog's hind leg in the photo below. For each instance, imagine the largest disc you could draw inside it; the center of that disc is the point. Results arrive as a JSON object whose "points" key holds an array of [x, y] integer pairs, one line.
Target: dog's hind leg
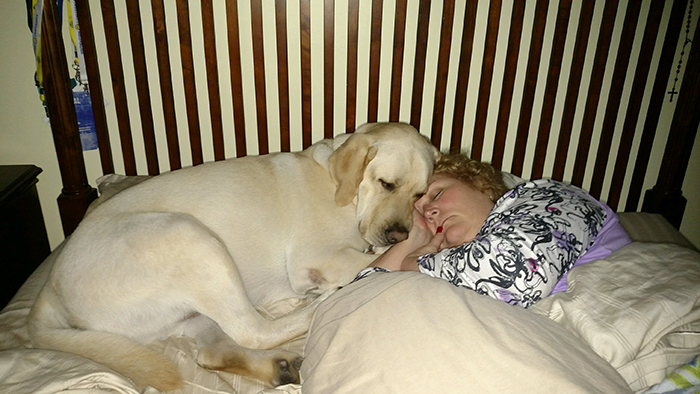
{"points": [[215, 289], [231, 334], [226, 303], [134, 360]]}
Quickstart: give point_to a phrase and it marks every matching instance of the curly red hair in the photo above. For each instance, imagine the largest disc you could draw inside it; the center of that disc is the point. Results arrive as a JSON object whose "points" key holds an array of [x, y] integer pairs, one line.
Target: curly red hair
{"points": [[479, 175]]}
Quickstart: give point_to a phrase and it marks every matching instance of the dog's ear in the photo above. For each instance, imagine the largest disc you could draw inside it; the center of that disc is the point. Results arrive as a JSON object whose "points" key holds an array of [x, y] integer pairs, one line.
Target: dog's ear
{"points": [[347, 166]]}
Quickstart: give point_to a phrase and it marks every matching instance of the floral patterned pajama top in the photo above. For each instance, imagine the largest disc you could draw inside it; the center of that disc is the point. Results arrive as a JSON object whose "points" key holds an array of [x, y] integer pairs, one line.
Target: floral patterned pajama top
{"points": [[530, 240]]}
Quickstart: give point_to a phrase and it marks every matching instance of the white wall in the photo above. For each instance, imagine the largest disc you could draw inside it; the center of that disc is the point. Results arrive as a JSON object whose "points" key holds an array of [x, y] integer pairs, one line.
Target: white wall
{"points": [[26, 139]]}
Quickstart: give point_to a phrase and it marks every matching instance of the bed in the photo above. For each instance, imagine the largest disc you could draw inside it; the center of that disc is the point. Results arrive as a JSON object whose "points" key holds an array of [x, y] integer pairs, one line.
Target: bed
{"points": [[590, 92]]}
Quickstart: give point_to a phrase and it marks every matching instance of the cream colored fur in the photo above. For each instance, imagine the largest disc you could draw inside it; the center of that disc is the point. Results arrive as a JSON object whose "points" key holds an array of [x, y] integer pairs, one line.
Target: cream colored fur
{"points": [[193, 251]]}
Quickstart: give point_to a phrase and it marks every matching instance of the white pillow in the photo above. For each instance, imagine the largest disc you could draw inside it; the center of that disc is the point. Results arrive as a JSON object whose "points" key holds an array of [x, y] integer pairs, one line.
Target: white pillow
{"points": [[511, 180], [639, 309], [406, 332]]}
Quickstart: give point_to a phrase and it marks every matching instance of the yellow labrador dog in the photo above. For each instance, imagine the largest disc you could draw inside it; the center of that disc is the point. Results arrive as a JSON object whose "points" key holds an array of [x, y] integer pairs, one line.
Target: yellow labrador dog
{"points": [[192, 252]]}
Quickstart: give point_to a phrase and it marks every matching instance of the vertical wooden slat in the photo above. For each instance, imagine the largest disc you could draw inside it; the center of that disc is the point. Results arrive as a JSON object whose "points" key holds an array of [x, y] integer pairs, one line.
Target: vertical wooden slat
{"points": [[465, 58], [351, 94], [482, 105], [328, 66], [234, 55], [533, 65], [448, 14], [550, 91], [589, 114], [283, 73], [183, 22], [397, 60], [636, 95], [516, 29], [92, 68], [305, 21], [217, 127], [142, 90], [419, 68], [614, 97], [573, 88], [259, 75], [374, 56], [166, 83], [76, 194], [655, 103], [117, 73]]}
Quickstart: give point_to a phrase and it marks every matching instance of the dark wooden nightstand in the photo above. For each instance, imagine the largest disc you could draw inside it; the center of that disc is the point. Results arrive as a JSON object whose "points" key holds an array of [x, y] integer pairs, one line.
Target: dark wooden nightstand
{"points": [[23, 240]]}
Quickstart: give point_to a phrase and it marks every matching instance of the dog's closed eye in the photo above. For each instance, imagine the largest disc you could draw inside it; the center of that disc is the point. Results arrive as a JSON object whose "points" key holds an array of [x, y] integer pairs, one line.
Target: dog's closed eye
{"points": [[388, 185]]}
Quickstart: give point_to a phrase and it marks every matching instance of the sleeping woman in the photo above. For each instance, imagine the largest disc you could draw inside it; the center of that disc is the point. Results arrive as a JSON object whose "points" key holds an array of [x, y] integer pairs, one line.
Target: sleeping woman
{"points": [[514, 245]]}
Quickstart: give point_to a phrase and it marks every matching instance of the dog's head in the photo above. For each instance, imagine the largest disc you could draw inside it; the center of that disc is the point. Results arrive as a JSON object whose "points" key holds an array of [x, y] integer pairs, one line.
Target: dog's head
{"points": [[384, 167]]}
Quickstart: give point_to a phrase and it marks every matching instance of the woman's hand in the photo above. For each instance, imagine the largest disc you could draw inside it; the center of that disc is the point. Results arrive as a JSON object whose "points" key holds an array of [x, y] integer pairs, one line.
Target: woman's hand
{"points": [[420, 234], [433, 245], [404, 255]]}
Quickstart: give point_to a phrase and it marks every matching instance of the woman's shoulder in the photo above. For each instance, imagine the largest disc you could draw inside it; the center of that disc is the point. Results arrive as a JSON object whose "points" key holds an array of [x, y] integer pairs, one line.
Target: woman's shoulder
{"points": [[545, 183], [542, 189], [542, 198]]}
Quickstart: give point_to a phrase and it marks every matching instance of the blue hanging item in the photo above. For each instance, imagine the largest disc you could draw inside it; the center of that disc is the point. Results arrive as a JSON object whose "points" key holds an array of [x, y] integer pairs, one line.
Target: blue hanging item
{"points": [[79, 84], [86, 122], [81, 93]]}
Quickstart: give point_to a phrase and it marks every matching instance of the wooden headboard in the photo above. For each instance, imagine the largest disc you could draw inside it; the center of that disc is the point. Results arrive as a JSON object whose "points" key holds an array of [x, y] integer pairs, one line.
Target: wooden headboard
{"points": [[572, 90]]}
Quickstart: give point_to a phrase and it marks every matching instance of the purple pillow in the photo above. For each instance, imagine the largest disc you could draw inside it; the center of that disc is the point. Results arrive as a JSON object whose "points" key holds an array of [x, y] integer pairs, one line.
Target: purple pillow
{"points": [[610, 238]]}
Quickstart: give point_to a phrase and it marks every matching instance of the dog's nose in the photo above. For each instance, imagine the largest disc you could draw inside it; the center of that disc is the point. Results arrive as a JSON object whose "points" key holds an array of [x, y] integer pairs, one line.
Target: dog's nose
{"points": [[396, 233]]}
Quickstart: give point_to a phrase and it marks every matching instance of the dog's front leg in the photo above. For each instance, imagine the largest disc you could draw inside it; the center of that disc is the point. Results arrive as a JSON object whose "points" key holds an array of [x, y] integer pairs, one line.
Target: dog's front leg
{"points": [[329, 272], [217, 351]]}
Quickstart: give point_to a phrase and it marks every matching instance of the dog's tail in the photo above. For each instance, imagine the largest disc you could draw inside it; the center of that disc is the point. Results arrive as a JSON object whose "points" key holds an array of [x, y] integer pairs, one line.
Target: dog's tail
{"points": [[137, 362]]}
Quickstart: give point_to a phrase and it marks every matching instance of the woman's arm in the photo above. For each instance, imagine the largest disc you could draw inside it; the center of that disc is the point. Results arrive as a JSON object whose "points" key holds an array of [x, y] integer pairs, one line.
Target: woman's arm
{"points": [[404, 255]]}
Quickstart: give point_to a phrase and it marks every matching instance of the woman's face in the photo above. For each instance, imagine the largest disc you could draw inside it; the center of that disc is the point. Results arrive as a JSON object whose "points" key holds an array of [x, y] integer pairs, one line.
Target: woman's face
{"points": [[456, 207]]}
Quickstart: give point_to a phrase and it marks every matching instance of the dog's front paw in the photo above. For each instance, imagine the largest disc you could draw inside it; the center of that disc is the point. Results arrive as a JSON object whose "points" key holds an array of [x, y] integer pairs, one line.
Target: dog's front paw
{"points": [[271, 367], [287, 371]]}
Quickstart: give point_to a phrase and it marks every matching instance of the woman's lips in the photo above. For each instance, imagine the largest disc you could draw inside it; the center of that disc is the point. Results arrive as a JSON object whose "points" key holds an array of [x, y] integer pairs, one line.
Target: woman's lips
{"points": [[441, 226]]}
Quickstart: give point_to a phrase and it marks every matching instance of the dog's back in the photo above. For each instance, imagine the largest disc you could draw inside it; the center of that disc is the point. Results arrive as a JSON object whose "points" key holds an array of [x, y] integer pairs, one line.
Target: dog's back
{"points": [[267, 210]]}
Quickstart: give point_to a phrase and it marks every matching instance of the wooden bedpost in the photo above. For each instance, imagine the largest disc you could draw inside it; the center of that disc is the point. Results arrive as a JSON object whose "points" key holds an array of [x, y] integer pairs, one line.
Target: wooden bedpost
{"points": [[666, 197], [77, 193]]}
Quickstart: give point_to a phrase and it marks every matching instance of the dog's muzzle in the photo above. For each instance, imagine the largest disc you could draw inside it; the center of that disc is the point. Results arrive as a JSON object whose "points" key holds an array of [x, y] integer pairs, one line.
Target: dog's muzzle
{"points": [[395, 233]]}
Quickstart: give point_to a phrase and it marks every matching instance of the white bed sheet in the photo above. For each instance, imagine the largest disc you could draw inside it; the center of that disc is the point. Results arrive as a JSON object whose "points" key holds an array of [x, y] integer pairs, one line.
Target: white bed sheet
{"points": [[409, 333], [639, 310]]}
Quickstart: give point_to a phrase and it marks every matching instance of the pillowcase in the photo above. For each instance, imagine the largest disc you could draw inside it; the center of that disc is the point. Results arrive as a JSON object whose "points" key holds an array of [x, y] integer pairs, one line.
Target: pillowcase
{"points": [[406, 332]]}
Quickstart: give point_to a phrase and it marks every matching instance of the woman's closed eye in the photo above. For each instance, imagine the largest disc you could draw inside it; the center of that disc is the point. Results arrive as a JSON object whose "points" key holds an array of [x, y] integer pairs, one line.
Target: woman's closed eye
{"points": [[427, 198], [436, 195]]}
